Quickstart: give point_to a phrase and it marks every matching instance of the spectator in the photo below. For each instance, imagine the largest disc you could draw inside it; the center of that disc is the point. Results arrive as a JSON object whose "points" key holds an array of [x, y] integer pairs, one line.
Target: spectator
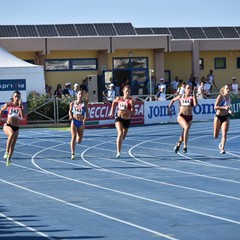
{"points": [[109, 93], [201, 92], [48, 90], [67, 91], [136, 87], [84, 85], [181, 88], [153, 82], [207, 87], [161, 95], [162, 84], [210, 76], [75, 89], [58, 92], [174, 85], [234, 86]]}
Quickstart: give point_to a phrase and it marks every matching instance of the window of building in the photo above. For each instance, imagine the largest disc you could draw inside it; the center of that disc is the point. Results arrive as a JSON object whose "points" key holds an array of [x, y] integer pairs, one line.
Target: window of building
{"points": [[220, 63], [201, 63], [238, 62], [70, 64]]}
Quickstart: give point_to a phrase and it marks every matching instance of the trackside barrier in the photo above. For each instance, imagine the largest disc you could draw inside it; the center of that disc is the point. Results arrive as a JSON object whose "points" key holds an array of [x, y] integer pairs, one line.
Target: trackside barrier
{"points": [[148, 112]]}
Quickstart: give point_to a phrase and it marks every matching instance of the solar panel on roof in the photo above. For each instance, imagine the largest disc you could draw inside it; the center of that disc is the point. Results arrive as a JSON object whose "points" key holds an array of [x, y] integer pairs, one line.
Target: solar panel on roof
{"points": [[105, 29], [160, 31], [27, 31], [124, 29], [8, 31], [195, 32], [179, 33], [212, 32], [46, 30], [66, 30], [85, 29], [144, 31], [229, 32]]}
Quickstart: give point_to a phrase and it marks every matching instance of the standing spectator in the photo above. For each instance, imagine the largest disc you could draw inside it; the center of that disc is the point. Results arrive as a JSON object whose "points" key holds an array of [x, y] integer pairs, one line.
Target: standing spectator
{"points": [[161, 95], [136, 87], [153, 83], [192, 81], [222, 118], [84, 85], [68, 91], [234, 86], [181, 87], [48, 90], [162, 84], [109, 93], [75, 89], [201, 92], [207, 87], [58, 92], [174, 85], [210, 76]]}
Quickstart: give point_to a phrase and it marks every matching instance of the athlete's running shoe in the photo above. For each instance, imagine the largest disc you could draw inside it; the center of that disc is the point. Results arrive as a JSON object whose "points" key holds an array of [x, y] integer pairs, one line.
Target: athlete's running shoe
{"points": [[6, 155], [220, 146], [222, 151], [8, 162], [177, 147], [118, 155], [72, 157], [185, 150]]}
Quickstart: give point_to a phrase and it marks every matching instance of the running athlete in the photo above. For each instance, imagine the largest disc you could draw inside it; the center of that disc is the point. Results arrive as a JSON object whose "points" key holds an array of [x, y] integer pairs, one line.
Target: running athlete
{"points": [[11, 127], [222, 118], [187, 101], [125, 110], [78, 113]]}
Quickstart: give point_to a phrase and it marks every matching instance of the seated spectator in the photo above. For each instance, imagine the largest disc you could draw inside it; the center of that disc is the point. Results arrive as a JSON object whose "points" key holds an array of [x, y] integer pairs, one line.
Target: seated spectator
{"points": [[208, 86], [58, 92], [109, 93]]}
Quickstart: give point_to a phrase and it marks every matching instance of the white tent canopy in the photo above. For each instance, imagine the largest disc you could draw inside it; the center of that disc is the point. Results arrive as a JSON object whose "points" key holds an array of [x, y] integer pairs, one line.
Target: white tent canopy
{"points": [[13, 68]]}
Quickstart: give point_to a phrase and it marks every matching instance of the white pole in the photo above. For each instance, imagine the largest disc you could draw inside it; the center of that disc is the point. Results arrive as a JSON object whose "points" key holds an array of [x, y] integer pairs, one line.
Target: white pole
{"points": [[150, 83]]}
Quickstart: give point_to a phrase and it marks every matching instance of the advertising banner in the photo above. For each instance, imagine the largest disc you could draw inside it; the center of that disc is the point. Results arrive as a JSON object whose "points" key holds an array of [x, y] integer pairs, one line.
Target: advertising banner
{"points": [[99, 115], [157, 111]]}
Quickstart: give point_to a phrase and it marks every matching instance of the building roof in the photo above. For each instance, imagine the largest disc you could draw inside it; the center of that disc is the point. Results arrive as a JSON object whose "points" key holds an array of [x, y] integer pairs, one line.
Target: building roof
{"points": [[115, 29]]}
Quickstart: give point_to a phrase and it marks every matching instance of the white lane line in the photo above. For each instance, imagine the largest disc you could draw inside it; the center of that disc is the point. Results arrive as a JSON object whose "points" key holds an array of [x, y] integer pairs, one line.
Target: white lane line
{"points": [[25, 226], [90, 210]]}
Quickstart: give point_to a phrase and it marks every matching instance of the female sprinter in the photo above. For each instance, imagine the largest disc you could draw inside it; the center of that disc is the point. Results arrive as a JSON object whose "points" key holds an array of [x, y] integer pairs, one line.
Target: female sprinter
{"points": [[11, 127], [223, 112], [126, 109], [78, 113], [187, 101]]}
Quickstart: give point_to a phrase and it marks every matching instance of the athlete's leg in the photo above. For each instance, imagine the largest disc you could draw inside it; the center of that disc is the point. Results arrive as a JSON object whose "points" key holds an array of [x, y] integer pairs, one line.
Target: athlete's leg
{"points": [[119, 127], [216, 127], [225, 127], [73, 139]]}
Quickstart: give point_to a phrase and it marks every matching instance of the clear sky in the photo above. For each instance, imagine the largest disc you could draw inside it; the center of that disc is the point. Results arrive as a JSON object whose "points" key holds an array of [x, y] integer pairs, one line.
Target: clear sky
{"points": [[141, 13]]}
